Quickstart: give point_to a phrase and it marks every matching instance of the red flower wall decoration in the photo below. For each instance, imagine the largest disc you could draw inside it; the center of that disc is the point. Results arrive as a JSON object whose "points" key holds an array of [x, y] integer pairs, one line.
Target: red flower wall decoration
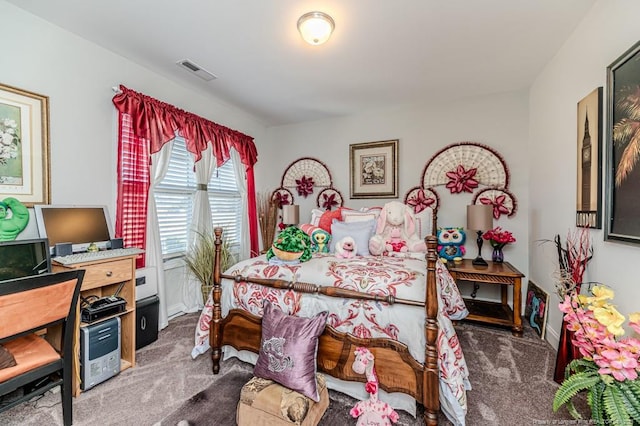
{"points": [[419, 201], [462, 180], [304, 186], [329, 201], [498, 205], [281, 199], [501, 200]]}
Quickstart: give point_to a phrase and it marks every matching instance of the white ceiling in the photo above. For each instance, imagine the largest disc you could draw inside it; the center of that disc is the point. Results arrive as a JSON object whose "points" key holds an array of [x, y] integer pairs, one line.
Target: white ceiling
{"points": [[383, 53]]}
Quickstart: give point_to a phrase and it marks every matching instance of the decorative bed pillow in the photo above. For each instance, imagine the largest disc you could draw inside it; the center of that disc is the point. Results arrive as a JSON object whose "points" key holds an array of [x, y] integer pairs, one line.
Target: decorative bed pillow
{"points": [[289, 350], [361, 232], [316, 214], [327, 219], [424, 222], [356, 216], [6, 359]]}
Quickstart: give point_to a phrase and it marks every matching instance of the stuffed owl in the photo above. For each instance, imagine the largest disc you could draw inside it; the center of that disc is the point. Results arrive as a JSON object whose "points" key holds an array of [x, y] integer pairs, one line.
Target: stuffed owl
{"points": [[451, 242]]}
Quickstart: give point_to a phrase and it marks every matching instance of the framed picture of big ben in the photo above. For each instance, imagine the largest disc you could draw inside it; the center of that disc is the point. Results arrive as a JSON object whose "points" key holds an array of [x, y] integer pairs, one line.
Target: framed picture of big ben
{"points": [[589, 198]]}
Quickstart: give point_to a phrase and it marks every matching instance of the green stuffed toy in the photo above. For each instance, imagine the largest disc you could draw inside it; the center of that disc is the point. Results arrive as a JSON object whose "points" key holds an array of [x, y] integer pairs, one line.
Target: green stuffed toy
{"points": [[11, 224], [291, 241]]}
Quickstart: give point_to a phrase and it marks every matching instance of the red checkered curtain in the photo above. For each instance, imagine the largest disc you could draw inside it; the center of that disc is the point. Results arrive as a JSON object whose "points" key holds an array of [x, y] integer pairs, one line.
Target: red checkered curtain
{"points": [[146, 124], [133, 187]]}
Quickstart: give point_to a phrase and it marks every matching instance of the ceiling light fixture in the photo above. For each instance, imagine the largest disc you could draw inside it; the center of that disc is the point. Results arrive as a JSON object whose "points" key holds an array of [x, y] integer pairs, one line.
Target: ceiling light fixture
{"points": [[316, 27]]}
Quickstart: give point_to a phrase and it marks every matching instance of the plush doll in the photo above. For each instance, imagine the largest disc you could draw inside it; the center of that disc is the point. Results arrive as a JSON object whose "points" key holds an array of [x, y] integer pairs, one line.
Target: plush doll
{"points": [[395, 214], [395, 241], [290, 245], [14, 217], [320, 241], [346, 248], [372, 411], [450, 243]]}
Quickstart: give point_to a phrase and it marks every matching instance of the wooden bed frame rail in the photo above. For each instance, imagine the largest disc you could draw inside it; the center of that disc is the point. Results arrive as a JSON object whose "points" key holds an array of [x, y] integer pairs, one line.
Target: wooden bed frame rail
{"points": [[396, 368]]}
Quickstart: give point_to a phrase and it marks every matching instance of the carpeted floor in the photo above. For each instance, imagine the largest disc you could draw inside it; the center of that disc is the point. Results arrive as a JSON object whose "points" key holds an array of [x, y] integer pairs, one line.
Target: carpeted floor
{"points": [[511, 379]]}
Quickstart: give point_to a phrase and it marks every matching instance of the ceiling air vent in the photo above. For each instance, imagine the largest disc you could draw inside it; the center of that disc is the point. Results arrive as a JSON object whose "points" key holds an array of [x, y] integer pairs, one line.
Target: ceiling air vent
{"points": [[196, 69]]}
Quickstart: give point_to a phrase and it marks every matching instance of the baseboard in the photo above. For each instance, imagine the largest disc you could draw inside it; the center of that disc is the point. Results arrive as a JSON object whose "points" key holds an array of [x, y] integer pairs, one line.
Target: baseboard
{"points": [[552, 336]]}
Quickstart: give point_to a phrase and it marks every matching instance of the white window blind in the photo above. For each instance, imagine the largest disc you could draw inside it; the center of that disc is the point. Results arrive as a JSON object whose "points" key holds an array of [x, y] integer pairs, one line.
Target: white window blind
{"points": [[226, 203], [175, 199]]}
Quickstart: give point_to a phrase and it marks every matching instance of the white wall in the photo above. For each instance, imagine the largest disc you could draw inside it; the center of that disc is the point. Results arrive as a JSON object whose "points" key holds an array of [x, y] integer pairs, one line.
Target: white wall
{"points": [[77, 76], [610, 28], [499, 121]]}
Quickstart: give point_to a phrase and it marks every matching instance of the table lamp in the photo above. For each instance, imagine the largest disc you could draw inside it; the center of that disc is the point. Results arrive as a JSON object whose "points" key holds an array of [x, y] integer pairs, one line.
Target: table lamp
{"points": [[290, 214], [480, 219]]}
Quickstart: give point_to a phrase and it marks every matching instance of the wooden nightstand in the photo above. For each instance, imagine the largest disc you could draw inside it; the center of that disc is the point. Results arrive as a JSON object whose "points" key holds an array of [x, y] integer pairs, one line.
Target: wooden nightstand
{"points": [[503, 274]]}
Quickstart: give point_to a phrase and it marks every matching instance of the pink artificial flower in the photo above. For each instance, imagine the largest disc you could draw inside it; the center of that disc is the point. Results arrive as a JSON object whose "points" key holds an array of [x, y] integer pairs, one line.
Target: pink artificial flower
{"points": [[566, 307], [621, 364], [630, 344], [634, 321]]}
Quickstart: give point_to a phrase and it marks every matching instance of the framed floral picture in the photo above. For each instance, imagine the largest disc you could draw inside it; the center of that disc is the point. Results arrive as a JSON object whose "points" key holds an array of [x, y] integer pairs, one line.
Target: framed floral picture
{"points": [[623, 148], [374, 169], [24, 146]]}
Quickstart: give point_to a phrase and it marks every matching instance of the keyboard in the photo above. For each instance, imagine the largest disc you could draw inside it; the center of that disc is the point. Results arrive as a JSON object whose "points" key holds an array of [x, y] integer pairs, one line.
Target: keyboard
{"points": [[90, 256]]}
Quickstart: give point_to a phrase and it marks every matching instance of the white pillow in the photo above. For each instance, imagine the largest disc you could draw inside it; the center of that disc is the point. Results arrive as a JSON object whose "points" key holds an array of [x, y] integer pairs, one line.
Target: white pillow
{"points": [[316, 214], [361, 232], [356, 216], [424, 222]]}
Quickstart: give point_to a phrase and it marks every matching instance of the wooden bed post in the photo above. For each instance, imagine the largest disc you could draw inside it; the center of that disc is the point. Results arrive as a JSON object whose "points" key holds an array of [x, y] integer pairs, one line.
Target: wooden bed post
{"points": [[215, 333], [431, 375]]}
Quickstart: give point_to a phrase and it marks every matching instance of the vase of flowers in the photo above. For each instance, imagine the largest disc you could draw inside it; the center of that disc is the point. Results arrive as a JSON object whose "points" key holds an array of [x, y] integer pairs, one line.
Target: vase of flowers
{"points": [[610, 363], [498, 238]]}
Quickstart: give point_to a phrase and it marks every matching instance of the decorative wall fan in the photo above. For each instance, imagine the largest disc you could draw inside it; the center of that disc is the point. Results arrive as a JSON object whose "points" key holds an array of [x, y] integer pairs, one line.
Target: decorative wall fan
{"points": [[465, 167]]}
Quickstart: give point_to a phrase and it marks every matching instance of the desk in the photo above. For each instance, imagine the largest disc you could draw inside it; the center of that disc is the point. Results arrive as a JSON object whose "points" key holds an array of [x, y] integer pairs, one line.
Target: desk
{"points": [[103, 277], [503, 274]]}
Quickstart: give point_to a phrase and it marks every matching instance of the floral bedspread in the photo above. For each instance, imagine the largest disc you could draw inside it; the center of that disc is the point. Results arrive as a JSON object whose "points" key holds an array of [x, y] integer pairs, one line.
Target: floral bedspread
{"points": [[401, 277]]}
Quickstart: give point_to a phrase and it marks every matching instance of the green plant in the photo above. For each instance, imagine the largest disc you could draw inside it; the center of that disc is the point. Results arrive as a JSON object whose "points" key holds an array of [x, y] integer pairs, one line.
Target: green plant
{"points": [[608, 371], [200, 259]]}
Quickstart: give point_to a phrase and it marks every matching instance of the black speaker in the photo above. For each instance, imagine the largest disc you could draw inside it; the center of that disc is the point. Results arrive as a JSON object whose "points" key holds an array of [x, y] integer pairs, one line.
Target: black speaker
{"points": [[116, 243], [63, 249]]}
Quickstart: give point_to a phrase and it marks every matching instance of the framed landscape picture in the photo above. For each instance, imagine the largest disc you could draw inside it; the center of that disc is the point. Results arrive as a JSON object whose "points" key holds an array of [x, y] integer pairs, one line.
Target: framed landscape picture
{"points": [[623, 148], [535, 311], [589, 200], [24, 146], [374, 169]]}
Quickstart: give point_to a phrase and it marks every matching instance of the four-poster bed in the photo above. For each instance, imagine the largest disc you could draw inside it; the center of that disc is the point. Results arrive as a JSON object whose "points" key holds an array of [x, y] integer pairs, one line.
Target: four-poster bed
{"points": [[406, 363]]}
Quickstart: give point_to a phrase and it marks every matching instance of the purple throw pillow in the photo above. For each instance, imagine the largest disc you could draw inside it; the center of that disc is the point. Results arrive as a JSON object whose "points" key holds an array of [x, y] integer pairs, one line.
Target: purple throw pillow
{"points": [[289, 349]]}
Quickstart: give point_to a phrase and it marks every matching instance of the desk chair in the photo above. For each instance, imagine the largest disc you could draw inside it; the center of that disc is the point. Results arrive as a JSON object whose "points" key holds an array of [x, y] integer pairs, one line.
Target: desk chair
{"points": [[28, 305]]}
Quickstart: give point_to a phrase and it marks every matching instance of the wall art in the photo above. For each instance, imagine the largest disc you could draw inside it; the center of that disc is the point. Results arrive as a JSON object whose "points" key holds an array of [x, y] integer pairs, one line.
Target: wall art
{"points": [[623, 148], [535, 311], [24, 146], [374, 169], [589, 150]]}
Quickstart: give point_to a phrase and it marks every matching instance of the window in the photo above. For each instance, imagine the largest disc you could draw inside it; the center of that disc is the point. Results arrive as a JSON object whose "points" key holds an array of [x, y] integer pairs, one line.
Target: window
{"points": [[175, 195]]}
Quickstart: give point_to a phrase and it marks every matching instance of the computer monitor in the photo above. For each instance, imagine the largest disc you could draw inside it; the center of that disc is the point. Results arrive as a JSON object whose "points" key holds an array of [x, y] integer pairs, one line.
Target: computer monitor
{"points": [[78, 225], [22, 258]]}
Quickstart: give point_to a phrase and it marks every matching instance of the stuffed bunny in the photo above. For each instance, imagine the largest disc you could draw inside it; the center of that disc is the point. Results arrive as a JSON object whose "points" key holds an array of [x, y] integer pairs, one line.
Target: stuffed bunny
{"points": [[395, 214]]}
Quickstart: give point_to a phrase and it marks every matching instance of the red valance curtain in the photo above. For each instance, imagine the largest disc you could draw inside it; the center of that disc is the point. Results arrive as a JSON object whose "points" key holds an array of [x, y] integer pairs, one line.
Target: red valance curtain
{"points": [[154, 123]]}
